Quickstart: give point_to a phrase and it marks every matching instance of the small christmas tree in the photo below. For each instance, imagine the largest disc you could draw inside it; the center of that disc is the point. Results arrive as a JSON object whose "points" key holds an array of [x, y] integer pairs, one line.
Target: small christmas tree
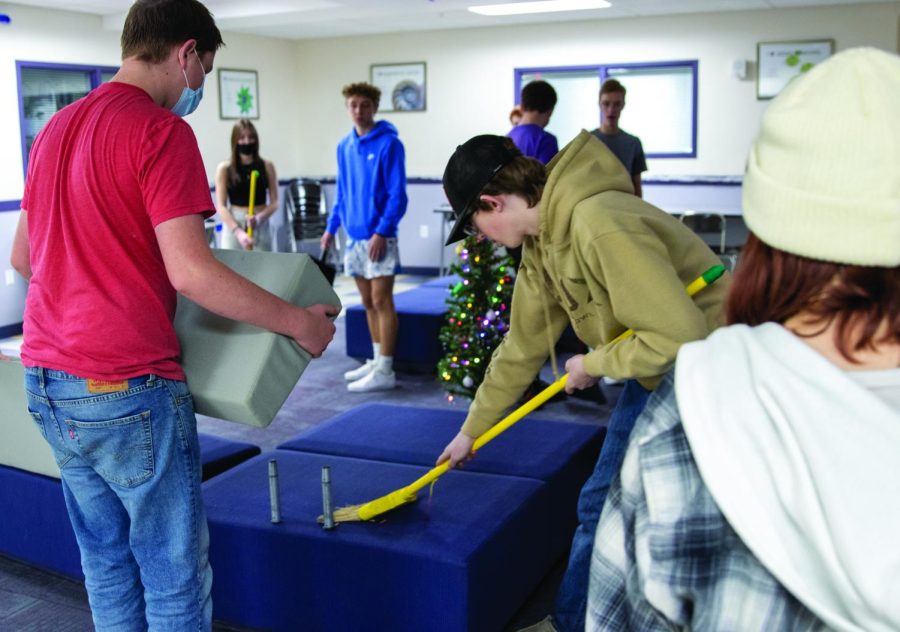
{"points": [[477, 318]]}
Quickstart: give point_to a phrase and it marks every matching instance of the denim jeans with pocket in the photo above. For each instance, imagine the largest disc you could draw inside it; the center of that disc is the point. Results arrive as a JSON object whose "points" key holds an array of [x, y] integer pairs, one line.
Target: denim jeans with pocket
{"points": [[130, 464], [571, 600]]}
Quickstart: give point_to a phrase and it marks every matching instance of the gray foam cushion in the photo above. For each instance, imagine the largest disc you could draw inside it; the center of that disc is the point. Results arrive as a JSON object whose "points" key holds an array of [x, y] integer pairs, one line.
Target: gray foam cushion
{"points": [[237, 371], [22, 445]]}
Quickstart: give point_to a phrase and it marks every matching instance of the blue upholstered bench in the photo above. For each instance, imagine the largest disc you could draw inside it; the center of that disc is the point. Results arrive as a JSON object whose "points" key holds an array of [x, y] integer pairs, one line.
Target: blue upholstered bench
{"points": [[462, 560], [444, 282], [559, 454], [421, 314], [547, 450], [218, 454], [35, 526]]}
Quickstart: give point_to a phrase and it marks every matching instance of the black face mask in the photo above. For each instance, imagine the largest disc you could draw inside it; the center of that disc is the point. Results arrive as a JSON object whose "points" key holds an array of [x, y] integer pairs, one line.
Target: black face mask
{"points": [[248, 150]]}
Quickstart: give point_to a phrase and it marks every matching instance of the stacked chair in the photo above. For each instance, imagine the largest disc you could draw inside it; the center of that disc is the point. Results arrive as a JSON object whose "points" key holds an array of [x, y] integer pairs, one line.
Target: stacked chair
{"points": [[712, 228]]}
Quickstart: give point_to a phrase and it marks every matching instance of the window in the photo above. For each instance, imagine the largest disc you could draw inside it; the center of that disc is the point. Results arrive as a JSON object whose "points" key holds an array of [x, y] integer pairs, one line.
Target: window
{"points": [[44, 89], [661, 102]]}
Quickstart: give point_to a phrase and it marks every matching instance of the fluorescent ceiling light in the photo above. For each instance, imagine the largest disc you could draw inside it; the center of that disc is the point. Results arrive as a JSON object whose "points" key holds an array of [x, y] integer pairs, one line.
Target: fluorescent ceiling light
{"points": [[543, 6]]}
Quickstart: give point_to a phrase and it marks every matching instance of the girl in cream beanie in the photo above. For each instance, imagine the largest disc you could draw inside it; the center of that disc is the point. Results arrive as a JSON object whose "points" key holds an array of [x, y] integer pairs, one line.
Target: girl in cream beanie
{"points": [[760, 489], [823, 177]]}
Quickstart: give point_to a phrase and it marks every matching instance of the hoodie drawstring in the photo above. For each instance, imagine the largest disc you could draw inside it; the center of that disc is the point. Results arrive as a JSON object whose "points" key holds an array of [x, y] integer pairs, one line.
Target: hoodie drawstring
{"points": [[551, 344]]}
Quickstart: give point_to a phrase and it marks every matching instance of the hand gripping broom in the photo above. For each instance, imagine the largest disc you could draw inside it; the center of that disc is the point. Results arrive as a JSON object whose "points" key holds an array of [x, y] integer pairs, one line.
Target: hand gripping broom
{"points": [[407, 494]]}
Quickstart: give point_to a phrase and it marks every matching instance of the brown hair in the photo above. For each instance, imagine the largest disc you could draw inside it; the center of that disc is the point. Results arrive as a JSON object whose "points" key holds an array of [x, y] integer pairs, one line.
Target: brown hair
{"points": [[153, 27], [771, 285], [362, 89], [612, 85], [236, 132], [523, 176]]}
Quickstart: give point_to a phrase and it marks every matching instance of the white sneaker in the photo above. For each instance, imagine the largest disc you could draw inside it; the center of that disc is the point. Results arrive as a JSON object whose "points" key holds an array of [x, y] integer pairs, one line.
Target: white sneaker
{"points": [[360, 371], [374, 381]]}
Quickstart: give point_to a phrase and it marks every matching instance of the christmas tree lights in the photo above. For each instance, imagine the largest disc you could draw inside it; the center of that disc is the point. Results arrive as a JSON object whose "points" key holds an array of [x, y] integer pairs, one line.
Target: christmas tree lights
{"points": [[477, 316]]}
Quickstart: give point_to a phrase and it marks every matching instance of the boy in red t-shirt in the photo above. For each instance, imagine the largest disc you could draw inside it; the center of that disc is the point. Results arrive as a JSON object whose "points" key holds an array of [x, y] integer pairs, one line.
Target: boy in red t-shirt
{"points": [[111, 228]]}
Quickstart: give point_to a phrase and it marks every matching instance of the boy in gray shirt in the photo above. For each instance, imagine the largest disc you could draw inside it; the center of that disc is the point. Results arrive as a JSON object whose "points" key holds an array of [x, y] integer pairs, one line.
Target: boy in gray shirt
{"points": [[625, 146]]}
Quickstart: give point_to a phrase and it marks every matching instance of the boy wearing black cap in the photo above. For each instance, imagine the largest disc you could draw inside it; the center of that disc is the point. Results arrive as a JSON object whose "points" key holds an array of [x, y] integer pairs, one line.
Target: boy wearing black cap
{"points": [[599, 258]]}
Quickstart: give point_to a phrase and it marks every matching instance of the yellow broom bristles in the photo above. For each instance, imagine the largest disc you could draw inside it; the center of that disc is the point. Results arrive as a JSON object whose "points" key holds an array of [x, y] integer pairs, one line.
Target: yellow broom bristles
{"points": [[373, 508], [386, 503], [345, 514]]}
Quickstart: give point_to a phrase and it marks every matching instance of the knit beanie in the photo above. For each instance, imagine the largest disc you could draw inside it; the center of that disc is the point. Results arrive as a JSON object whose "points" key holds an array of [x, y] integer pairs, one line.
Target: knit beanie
{"points": [[823, 176]]}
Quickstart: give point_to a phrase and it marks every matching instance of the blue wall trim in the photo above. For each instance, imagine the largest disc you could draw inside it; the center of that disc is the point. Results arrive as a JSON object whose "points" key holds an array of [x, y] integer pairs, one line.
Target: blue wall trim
{"points": [[701, 181], [8, 331], [716, 181], [409, 180], [419, 271]]}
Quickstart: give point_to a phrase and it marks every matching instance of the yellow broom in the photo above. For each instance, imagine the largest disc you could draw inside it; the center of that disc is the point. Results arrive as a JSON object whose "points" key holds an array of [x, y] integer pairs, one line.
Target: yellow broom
{"points": [[407, 494], [253, 176]]}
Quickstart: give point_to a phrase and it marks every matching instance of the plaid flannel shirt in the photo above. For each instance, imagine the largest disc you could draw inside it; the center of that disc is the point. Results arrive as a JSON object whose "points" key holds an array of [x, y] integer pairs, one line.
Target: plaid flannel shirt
{"points": [[665, 558]]}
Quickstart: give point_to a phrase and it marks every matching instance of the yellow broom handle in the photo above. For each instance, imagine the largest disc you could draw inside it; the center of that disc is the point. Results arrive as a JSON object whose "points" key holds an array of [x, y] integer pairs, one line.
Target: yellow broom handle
{"points": [[707, 278], [704, 280], [523, 410], [253, 176]]}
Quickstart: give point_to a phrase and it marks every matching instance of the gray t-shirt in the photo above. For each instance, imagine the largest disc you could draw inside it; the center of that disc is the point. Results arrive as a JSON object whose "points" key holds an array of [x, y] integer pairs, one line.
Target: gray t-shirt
{"points": [[627, 148]]}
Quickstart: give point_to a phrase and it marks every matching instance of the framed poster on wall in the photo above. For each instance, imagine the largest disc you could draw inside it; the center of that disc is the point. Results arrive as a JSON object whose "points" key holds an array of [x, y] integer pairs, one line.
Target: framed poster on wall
{"points": [[402, 86], [779, 62], [238, 94]]}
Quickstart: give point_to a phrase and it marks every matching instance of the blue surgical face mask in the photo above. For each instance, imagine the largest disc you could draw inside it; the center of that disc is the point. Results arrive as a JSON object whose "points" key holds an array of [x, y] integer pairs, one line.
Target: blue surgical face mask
{"points": [[189, 99]]}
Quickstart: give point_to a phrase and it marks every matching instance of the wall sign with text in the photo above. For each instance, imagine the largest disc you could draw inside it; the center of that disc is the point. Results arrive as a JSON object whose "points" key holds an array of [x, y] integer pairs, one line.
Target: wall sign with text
{"points": [[779, 62]]}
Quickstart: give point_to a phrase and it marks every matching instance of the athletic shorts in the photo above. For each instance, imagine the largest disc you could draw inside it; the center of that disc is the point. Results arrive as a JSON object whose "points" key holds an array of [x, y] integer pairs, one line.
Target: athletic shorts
{"points": [[357, 262]]}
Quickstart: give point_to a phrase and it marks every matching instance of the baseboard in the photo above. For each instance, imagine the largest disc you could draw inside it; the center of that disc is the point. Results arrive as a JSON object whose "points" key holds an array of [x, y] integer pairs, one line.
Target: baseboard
{"points": [[420, 270]]}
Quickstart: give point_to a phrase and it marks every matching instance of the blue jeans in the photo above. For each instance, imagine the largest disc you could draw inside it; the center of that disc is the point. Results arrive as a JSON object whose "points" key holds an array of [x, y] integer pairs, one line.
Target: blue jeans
{"points": [[571, 600], [130, 466]]}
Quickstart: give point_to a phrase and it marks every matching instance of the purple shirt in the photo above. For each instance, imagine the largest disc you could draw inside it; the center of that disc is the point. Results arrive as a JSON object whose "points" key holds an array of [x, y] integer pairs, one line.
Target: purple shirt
{"points": [[534, 142]]}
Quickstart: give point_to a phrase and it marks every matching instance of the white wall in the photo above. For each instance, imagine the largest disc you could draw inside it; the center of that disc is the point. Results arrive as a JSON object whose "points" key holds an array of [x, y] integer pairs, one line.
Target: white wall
{"points": [[280, 107], [46, 36], [470, 83], [77, 38], [470, 75], [470, 78], [12, 286]]}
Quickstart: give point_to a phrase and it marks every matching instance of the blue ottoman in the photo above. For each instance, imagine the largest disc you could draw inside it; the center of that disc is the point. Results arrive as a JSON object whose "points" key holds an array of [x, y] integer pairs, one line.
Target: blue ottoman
{"points": [[35, 525], [551, 451], [465, 559], [421, 314], [444, 282], [561, 454], [218, 454]]}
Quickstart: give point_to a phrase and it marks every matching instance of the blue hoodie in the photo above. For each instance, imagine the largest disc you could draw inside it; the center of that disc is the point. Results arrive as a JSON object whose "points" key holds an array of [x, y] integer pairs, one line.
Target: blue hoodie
{"points": [[371, 184]]}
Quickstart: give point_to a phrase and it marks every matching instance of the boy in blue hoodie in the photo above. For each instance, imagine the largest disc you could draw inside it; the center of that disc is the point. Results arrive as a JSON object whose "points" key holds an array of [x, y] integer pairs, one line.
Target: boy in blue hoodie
{"points": [[370, 200]]}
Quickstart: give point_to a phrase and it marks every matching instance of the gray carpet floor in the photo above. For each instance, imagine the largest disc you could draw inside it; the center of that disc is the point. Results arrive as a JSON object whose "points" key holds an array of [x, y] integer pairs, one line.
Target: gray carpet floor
{"points": [[34, 600]]}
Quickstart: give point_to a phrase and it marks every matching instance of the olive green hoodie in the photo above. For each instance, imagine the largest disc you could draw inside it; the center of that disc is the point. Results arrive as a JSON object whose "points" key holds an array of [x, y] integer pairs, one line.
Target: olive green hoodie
{"points": [[605, 261]]}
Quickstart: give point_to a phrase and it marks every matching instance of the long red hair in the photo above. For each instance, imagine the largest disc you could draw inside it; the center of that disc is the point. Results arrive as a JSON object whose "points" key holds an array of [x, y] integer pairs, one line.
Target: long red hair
{"points": [[771, 285]]}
